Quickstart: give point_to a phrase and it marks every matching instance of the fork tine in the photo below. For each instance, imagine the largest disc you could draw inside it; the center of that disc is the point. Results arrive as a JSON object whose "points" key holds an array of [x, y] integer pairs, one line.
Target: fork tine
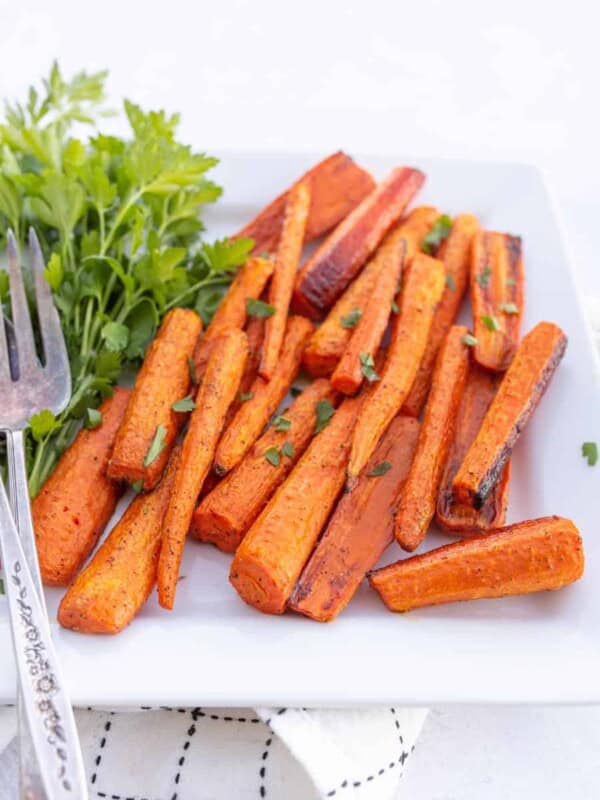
{"points": [[20, 311], [4, 359]]}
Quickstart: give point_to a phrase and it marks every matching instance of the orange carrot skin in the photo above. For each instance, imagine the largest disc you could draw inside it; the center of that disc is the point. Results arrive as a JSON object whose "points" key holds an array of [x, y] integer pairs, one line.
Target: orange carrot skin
{"points": [[465, 520], [114, 586], [337, 186], [455, 252], [522, 387], [289, 251], [253, 415], [338, 260], [497, 292], [271, 557], [78, 499], [163, 379], [255, 332], [360, 530], [217, 391], [329, 341], [534, 556], [420, 295], [224, 516]]}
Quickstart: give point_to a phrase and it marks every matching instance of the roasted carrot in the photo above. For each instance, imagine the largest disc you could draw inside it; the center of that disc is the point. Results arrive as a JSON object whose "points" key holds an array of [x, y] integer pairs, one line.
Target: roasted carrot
{"points": [[163, 380], [255, 331], [224, 516], [337, 186], [497, 289], [247, 284], [453, 517], [417, 504], [271, 557], [253, 415], [455, 252], [337, 261], [533, 556], [76, 502], [522, 387], [217, 391], [328, 342], [420, 295], [114, 586], [289, 251], [361, 528]]}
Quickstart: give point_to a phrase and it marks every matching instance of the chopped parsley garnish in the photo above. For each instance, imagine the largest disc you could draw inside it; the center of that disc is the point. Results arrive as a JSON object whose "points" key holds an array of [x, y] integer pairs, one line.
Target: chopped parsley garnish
{"points": [[450, 282], [351, 319], [483, 279], [272, 456], [491, 323], [379, 469], [281, 423], [287, 450], [246, 396], [157, 445], [325, 412], [439, 231], [258, 308], [185, 404], [509, 308], [92, 418], [367, 367], [469, 340], [589, 450]]}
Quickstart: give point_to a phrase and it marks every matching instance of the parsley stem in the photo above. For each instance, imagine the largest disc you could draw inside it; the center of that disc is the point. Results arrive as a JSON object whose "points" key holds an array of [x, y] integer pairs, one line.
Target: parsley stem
{"points": [[220, 280], [119, 219]]}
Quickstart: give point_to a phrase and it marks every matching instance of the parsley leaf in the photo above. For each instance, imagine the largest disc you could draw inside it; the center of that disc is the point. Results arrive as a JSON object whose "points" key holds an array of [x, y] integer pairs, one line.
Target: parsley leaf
{"points": [[42, 424], [379, 469], [287, 450], [491, 323], [281, 423], [244, 396], [439, 231], [509, 308], [589, 450], [272, 456], [258, 308], [137, 486], [116, 336], [185, 404], [157, 445], [92, 418], [395, 309], [367, 366], [325, 412], [483, 279], [469, 340], [351, 319]]}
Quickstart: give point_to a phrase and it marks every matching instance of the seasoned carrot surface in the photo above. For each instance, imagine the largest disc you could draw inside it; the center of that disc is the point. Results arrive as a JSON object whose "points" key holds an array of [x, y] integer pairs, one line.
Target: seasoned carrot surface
{"points": [[522, 387], [361, 528], [224, 516], [253, 415], [76, 502], [255, 331], [289, 251], [497, 293], [417, 504], [271, 557], [337, 186], [420, 295], [338, 260], [454, 517], [533, 556], [455, 252], [163, 380], [217, 391], [114, 586]]}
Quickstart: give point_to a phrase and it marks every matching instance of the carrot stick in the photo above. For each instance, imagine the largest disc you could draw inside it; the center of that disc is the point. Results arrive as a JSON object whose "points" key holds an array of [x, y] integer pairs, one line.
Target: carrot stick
{"points": [[329, 341], [76, 502], [522, 387], [271, 557], [284, 276], [417, 504], [453, 517], [224, 516], [253, 415], [163, 380], [360, 530], [455, 252], [255, 331], [217, 391], [420, 295], [497, 289], [114, 586], [338, 260], [248, 284], [533, 556], [337, 186]]}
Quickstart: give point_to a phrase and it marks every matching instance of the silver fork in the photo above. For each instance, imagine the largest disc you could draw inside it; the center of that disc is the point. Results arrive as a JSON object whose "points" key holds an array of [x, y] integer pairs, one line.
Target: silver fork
{"points": [[27, 387]]}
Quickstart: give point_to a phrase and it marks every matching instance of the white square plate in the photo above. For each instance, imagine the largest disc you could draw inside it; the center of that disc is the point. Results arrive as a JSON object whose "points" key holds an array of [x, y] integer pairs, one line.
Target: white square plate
{"points": [[214, 650]]}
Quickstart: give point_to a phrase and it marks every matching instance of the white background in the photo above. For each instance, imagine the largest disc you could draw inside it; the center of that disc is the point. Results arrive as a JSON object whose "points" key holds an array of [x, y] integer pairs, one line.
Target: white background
{"points": [[503, 81]]}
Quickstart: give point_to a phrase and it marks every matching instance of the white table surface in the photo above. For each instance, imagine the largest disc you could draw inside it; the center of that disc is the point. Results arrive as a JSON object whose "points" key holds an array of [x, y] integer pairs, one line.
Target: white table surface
{"points": [[509, 81]]}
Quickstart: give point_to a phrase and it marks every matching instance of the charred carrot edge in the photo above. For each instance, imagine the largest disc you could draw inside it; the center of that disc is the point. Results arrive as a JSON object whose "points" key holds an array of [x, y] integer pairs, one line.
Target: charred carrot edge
{"points": [[253, 415], [289, 251], [217, 391], [368, 333], [337, 261], [248, 284], [522, 387], [114, 586], [534, 556], [497, 294], [224, 516], [420, 295], [456, 255], [163, 380], [452, 517], [361, 528], [271, 557], [417, 504], [329, 341], [337, 186]]}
